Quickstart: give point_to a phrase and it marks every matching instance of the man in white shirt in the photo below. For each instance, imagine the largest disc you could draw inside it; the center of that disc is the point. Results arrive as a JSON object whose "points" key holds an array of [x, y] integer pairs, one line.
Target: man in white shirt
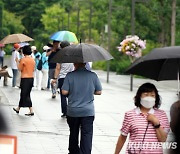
{"points": [[15, 55], [60, 73]]}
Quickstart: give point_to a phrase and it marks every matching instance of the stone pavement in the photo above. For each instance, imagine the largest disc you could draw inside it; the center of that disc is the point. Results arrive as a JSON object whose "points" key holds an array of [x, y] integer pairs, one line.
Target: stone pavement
{"points": [[47, 133]]}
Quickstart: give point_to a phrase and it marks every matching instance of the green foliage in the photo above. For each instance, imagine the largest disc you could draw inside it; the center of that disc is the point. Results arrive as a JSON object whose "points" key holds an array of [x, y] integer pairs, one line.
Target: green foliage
{"points": [[11, 24], [41, 18], [1, 17], [100, 65]]}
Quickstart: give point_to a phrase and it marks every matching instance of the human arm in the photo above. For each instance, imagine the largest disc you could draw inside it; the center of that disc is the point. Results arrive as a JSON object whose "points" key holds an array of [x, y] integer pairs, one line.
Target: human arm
{"points": [[53, 49], [160, 132], [120, 143], [125, 130], [18, 65], [56, 73], [65, 87], [65, 92], [174, 114], [98, 87], [97, 92], [57, 70]]}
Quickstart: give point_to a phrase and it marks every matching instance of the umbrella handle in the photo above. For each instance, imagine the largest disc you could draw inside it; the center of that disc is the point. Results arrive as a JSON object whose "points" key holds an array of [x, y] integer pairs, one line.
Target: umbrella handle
{"points": [[178, 83]]}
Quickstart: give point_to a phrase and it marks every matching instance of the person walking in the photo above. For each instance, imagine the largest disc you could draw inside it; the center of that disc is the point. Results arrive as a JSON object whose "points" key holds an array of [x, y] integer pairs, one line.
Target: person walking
{"points": [[80, 86], [60, 74], [147, 125], [26, 65], [45, 68], [175, 125], [37, 56], [52, 66], [15, 55], [2, 53]]}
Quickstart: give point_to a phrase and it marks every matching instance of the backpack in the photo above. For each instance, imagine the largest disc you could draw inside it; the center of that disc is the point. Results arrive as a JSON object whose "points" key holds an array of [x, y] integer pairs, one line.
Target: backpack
{"points": [[39, 66]]}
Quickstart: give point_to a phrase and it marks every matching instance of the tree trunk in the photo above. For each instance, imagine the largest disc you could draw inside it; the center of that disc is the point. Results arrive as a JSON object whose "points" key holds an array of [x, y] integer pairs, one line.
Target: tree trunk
{"points": [[173, 23]]}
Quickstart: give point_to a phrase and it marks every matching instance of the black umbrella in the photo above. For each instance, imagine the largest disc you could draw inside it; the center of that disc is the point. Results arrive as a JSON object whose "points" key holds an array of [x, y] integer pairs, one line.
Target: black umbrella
{"points": [[160, 64], [81, 53]]}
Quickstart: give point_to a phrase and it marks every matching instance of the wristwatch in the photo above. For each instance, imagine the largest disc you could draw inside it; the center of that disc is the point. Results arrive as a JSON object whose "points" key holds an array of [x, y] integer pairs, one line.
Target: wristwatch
{"points": [[157, 126]]}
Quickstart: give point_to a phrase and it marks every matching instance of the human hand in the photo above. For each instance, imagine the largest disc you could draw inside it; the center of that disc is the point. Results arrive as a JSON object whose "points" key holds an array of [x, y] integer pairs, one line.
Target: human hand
{"points": [[17, 60], [152, 118], [54, 81]]}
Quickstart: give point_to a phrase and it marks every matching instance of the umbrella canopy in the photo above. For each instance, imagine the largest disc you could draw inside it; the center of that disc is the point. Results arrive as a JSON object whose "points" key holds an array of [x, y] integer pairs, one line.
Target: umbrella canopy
{"points": [[2, 45], [81, 53], [64, 36], [15, 38], [159, 64]]}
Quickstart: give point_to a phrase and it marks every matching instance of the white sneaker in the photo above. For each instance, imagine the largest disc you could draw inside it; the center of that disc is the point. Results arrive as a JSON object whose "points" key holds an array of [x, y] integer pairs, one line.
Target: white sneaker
{"points": [[16, 87]]}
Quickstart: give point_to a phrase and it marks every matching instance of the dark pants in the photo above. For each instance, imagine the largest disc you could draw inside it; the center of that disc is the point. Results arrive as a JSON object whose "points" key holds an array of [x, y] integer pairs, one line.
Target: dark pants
{"points": [[86, 126], [26, 87], [63, 97], [1, 61]]}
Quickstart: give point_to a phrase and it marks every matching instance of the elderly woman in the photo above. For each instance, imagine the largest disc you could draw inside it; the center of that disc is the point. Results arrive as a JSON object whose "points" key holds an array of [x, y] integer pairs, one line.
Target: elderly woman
{"points": [[27, 66], [147, 125]]}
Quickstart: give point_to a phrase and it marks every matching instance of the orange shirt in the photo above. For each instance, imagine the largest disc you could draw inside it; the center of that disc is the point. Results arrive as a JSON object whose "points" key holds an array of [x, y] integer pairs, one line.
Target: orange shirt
{"points": [[27, 67]]}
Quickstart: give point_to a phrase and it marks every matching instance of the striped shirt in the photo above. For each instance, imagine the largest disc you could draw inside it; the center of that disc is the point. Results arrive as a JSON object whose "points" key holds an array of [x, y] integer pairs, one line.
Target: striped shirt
{"points": [[135, 123]]}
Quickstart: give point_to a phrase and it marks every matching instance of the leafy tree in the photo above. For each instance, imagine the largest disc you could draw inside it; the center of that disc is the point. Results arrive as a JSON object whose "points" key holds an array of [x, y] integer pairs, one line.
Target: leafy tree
{"points": [[54, 18], [11, 23]]}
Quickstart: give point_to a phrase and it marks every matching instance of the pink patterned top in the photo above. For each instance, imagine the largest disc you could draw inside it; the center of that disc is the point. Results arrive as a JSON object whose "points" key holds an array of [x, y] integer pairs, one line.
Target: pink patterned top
{"points": [[135, 123]]}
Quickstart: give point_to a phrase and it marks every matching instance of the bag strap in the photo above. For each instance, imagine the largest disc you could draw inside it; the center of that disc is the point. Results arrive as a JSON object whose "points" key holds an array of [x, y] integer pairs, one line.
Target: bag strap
{"points": [[144, 137]]}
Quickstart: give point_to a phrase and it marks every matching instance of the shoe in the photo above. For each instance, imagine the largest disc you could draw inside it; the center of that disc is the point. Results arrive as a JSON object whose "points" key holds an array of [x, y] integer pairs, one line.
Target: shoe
{"points": [[63, 115], [16, 87], [29, 114], [16, 110], [54, 96]]}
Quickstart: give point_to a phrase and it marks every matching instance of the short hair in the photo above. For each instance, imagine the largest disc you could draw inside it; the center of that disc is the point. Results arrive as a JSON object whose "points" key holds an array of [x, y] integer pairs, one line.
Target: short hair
{"points": [[64, 44], [55, 41], [147, 87], [27, 50]]}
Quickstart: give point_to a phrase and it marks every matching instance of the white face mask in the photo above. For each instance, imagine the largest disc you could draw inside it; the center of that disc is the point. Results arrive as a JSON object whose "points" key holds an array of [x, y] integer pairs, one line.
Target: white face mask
{"points": [[148, 102]]}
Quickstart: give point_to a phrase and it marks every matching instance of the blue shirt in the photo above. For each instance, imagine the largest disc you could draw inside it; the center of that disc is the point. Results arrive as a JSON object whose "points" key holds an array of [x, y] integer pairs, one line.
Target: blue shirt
{"points": [[44, 61], [81, 85], [37, 58]]}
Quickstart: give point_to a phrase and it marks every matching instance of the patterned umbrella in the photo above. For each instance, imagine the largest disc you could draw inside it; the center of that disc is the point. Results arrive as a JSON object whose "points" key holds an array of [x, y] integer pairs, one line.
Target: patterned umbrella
{"points": [[64, 36]]}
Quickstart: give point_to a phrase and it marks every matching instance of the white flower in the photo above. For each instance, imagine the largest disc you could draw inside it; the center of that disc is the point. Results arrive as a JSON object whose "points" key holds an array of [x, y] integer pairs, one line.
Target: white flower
{"points": [[132, 46], [127, 47]]}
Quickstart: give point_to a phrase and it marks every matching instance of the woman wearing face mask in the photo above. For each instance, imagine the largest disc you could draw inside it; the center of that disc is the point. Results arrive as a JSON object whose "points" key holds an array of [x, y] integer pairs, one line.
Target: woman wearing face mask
{"points": [[147, 125]]}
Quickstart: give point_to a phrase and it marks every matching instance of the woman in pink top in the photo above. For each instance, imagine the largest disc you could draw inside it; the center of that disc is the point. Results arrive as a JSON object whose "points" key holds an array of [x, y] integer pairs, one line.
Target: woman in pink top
{"points": [[146, 125], [26, 66]]}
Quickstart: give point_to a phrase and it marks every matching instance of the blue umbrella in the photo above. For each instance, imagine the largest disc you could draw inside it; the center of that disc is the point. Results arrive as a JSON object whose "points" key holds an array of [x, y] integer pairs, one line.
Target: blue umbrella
{"points": [[22, 44], [64, 36]]}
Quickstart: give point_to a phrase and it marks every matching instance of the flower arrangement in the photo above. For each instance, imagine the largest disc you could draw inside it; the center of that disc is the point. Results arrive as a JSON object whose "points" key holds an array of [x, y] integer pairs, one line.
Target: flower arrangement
{"points": [[132, 46]]}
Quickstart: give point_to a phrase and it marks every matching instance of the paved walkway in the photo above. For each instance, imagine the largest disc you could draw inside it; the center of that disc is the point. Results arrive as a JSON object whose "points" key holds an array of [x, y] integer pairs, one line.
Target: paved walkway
{"points": [[47, 132]]}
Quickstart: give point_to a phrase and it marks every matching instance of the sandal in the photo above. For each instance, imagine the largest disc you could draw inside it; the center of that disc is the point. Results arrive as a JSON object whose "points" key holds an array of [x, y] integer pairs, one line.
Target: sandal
{"points": [[16, 110], [29, 114]]}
